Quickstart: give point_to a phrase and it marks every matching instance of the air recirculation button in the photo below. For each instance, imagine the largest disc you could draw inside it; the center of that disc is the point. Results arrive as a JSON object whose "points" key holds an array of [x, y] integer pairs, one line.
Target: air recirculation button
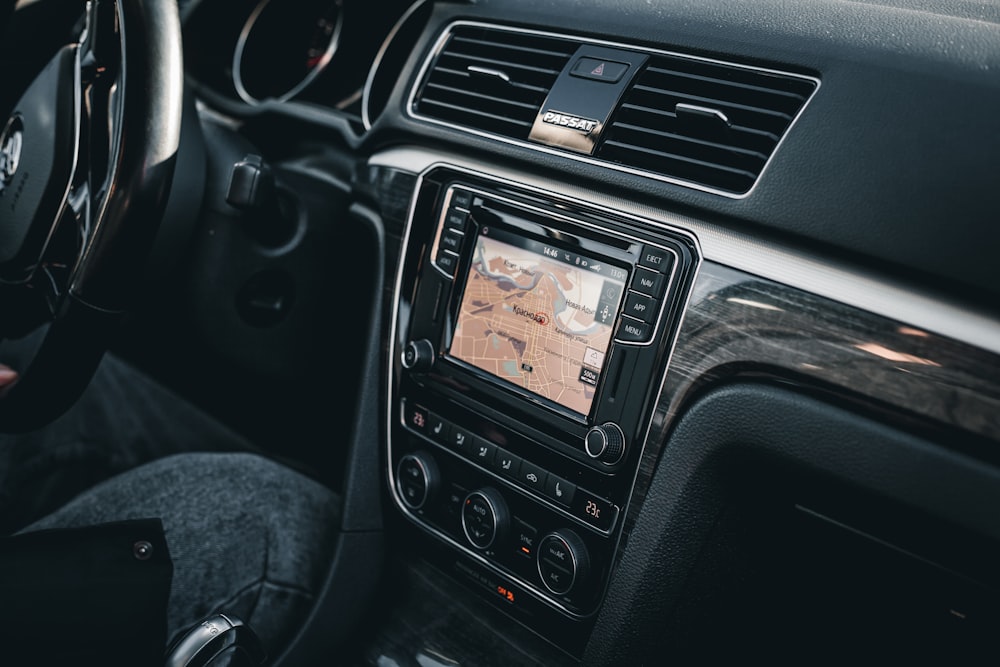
{"points": [[563, 561]]}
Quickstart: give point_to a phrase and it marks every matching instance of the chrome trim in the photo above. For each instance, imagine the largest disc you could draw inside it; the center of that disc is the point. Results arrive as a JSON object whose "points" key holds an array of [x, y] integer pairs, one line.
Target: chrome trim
{"points": [[324, 60], [702, 111], [366, 119], [486, 71], [809, 272], [446, 33]]}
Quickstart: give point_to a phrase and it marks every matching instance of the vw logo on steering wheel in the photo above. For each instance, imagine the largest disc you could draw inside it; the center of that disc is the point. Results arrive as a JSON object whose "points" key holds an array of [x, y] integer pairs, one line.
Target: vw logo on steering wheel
{"points": [[11, 141]]}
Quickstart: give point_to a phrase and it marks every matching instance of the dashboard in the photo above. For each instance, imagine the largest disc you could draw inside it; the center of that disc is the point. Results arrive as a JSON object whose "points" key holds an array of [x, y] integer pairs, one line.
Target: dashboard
{"points": [[682, 333]]}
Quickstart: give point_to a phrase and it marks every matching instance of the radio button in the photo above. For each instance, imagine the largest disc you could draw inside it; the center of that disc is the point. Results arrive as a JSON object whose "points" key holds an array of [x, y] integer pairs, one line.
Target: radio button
{"points": [[507, 464], [456, 220], [641, 307], [532, 476], [461, 199], [482, 452], [560, 490], [451, 240], [656, 259], [649, 282], [447, 261], [633, 331]]}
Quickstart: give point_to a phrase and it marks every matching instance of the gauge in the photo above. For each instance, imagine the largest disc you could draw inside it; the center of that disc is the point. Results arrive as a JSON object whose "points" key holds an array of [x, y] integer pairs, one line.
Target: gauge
{"points": [[284, 46]]}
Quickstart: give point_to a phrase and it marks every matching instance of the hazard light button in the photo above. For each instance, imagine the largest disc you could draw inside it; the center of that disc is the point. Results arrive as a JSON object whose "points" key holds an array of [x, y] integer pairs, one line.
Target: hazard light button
{"points": [[608, 71]]}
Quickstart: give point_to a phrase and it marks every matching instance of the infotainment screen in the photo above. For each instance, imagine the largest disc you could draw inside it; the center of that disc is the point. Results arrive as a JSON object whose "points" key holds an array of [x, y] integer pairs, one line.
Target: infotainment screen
{"points": [[539, 316]]}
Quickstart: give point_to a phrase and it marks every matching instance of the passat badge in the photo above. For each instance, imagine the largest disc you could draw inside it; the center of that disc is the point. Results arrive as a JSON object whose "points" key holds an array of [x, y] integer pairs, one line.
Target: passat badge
{"points": [[566, 130], [585, 125]]}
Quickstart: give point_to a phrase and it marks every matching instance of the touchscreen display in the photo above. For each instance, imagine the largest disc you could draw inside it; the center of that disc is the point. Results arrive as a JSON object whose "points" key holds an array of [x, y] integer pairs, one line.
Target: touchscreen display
{"points": [[539, 316]]}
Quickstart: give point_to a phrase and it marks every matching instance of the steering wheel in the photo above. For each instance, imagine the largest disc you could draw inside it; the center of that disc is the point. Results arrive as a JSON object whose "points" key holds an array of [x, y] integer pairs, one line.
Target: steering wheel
{"points": [[87, 158]]}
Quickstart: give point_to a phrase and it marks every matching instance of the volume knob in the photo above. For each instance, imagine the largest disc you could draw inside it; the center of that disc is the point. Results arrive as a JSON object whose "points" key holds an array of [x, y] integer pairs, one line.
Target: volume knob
{"points": [[606, 443], [418, 355]]}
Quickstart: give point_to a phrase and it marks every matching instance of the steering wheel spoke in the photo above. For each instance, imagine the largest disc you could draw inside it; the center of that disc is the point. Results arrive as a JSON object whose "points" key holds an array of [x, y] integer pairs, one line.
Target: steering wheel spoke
{"points": [[86, 161]]}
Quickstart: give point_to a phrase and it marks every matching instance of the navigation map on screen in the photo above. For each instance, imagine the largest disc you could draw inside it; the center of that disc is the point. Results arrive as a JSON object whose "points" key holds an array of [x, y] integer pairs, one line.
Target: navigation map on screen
{"points": [[538, 316]]}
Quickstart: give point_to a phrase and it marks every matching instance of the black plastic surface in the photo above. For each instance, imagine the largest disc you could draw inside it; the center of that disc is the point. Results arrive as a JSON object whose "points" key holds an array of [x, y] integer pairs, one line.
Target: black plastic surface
{"points": [[753, 449], [893, 154]]}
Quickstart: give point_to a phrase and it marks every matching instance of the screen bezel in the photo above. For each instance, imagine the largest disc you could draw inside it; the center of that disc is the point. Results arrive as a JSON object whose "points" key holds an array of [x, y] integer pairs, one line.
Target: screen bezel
{"points": [[563, 234]]}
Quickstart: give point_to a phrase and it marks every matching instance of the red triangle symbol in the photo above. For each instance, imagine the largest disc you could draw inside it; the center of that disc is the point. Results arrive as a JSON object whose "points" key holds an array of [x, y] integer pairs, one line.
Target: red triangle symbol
{"points": [[599, 70]]}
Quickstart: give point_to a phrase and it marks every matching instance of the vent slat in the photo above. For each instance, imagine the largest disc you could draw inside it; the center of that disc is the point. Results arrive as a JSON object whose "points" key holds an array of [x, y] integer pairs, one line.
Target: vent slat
{"points": [[792, 97], [465, 75], [671, 136], [501, 64], [724, 149], [682, 166], [506, 105], [489, 117], [689, 120], [532, 51], [460, 93]]}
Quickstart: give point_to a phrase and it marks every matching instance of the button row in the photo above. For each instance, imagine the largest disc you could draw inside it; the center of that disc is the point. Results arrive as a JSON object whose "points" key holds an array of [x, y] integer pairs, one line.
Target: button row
{"points": [[646, 292], [456, 219], [592, 509]]}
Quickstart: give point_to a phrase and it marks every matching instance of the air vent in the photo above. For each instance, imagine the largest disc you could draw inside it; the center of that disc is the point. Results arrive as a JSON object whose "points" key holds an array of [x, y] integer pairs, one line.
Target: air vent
{"points": [[706, 123], [492, 80]]}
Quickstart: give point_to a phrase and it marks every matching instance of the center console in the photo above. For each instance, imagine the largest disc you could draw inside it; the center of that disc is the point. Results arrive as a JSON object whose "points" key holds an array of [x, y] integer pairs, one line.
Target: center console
{"points": [[530, 338]]}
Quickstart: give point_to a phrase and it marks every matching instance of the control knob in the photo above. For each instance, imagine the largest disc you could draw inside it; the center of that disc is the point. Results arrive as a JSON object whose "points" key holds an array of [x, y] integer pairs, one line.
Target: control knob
{"points": [[418, 355], [605, 442], [417, 479], [485, 518], [563, 561]]}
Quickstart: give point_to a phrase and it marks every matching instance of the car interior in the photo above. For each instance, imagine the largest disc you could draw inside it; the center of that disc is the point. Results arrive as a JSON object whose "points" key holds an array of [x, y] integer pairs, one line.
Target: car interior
{"points": [[628, 332]]}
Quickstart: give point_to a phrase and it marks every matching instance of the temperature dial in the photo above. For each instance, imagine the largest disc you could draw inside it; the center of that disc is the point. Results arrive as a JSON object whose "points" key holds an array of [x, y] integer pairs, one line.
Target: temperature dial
{"points": [[606, 443], [484, 517]]}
